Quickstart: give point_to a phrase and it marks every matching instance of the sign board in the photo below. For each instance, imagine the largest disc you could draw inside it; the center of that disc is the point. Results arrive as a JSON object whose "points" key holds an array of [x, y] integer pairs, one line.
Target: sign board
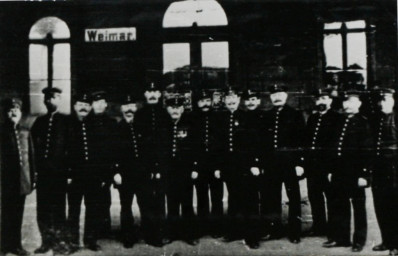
{"points": [[95, 35]]}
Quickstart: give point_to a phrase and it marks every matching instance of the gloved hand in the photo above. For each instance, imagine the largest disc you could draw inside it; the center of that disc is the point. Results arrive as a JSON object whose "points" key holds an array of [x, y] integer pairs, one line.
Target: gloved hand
{"points": [[362, 182], [118, 179], [194, 175], [255, 171], [299, 171]]}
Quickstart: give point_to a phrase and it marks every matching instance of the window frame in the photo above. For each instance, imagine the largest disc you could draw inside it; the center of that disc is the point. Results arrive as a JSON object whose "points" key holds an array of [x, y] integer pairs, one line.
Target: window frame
{"points": [[49, 41], [344, 31]]}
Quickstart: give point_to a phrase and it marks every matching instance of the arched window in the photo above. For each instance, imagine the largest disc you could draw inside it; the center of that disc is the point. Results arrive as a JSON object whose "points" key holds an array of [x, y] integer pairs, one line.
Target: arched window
{"points": [[49, 62], [188, 55], [190, 12]]}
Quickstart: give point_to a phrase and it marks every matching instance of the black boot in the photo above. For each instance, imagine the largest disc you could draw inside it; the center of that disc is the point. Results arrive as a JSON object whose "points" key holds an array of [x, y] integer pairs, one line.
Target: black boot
{"points": [[44, 248]]}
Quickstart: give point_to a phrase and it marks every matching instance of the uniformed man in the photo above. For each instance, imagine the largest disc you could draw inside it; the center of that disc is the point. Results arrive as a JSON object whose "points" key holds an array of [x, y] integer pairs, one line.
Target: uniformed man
{"points": [[149, 121], [178, 161], [285, 127], [320, 134], [205, 157], [131, 178], [17, 176], [253, 181], [348, 176], [85, 179], [103, 132], [384, 172], [49, 136], [231, 138]]}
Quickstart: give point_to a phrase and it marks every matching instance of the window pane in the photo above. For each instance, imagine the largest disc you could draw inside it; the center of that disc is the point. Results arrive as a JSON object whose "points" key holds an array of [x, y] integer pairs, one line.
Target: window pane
{"points": [[36, 97], [356, 50], [215, 55], [333, 48], [61, 64], [65, 86], [210, 13], [49, 25], [355, 24], [333, 25], [175, 56], [203, 12], [37, 61]]}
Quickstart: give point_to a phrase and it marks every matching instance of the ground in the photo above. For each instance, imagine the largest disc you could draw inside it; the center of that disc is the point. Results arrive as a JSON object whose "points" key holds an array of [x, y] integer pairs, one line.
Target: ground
{"points": [[207, 245]]}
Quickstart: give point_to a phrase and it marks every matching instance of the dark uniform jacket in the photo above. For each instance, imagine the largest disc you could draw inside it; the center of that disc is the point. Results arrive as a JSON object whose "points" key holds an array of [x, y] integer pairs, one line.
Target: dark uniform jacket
{"points": [[103, 145], [49, 137], [385, 148], [255, 134], [204, 139], [352, 147], [320, 134], [17, 160], [385, 134], [129, 155], [177, 146], [149, 121], [79, 150], [232, 142], [285, 129]]}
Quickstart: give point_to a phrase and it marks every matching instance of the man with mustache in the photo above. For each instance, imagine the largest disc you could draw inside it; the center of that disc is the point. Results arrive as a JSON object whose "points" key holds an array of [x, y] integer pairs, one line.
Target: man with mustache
{"points": [[205, 159], [348, 177], [234, 166], [284, 126], [131, 177], [384, 169], [320, 133], [17, 176], [150, 121], [253, 181], [179, 173], [83, 178], [103, 132], [49, 136]]}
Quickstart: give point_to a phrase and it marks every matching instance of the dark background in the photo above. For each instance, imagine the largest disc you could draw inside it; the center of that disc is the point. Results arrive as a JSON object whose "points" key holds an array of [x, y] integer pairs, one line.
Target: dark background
{"points": [[263, 36]]}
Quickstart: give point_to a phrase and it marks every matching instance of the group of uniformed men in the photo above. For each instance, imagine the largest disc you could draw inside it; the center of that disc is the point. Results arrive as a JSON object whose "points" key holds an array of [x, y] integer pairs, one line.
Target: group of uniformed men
{"points": [[155, 153]]}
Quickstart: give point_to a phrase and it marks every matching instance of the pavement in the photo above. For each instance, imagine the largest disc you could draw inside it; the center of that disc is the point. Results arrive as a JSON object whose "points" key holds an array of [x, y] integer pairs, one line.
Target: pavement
{"points": [[208, 246]]}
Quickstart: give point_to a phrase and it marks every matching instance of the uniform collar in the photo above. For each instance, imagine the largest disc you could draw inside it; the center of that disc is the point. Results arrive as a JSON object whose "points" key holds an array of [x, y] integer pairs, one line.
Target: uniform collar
{"points": [[52, 114], [11, 124], [176, 122], [153, 106], [324, 113], [232, 112], [77, 118], [279, 109], [350, 116], [384, 114], [129, 122]]}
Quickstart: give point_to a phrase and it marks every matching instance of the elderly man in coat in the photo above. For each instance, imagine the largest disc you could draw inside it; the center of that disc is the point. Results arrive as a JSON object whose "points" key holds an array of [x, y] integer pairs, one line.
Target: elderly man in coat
{"points": [[17, 176]]}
